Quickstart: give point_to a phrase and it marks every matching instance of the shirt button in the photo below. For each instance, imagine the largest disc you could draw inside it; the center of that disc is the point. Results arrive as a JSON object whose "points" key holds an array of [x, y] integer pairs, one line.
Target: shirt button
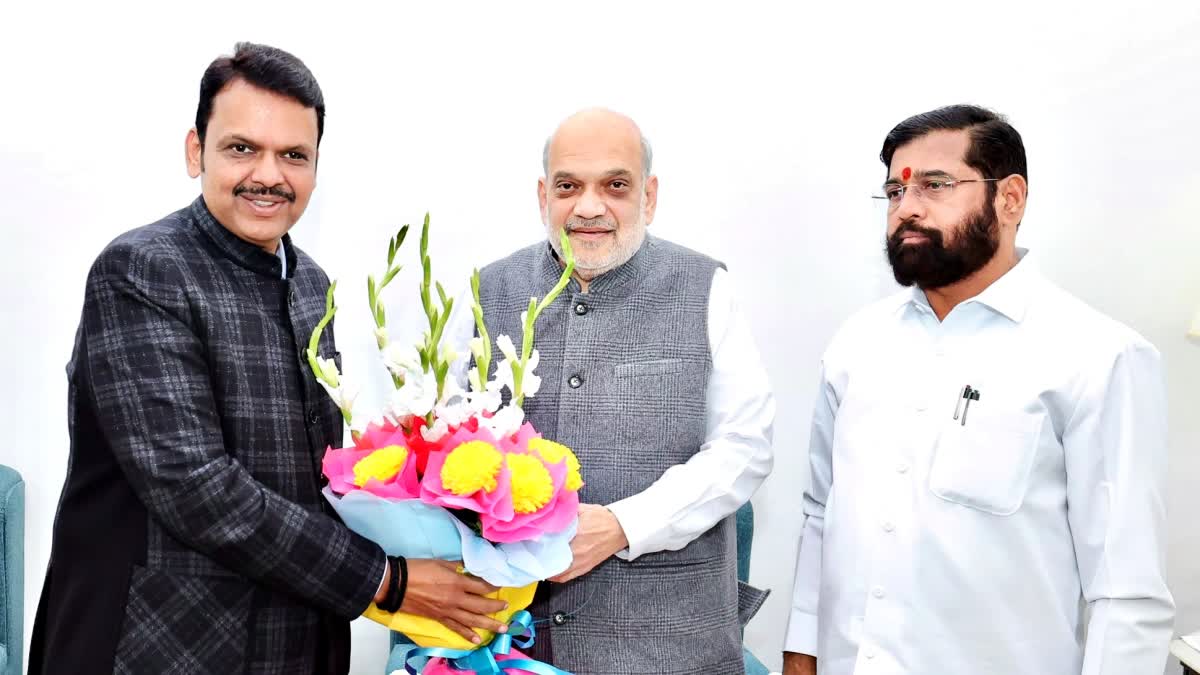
{"points": [[575, 381], [559, 619], [581, 308], [902, 467], [879, 593], [869, 653], [889, 526]]}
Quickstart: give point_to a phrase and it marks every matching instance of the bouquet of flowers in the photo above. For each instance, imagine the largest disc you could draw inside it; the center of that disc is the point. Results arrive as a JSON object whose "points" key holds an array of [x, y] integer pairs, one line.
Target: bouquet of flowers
{"points": [[451, 473]]}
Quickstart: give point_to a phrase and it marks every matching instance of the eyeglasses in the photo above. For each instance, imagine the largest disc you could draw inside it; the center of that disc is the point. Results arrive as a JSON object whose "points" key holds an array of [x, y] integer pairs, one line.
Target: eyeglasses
{"points": [[928, 189]]}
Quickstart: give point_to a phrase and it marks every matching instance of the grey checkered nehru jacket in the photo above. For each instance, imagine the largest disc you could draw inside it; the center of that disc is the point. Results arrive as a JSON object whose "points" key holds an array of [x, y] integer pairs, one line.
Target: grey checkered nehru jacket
{"points": [[624, 370]]}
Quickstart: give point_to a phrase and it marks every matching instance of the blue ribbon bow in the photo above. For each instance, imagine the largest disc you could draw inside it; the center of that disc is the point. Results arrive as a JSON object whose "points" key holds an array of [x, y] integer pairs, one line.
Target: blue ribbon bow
{"points": [[482, 660]]}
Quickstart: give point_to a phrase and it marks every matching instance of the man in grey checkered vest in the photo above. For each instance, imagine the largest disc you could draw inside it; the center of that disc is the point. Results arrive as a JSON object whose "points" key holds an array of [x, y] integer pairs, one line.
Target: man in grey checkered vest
{"points": [[650, 374]]}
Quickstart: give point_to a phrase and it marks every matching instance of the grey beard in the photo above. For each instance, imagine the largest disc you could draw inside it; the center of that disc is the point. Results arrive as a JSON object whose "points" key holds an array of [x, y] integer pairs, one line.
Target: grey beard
{"points": [[622, 252]]}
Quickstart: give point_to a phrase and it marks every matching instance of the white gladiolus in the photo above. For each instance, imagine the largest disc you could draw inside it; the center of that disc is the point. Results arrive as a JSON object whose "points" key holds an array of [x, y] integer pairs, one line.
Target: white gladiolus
{"points": [[436, 432], [402, 361], [506, 347], [505, 422], [343, 396], [476, 346], [485, 401], [530, 383], [329, 371], [417, 397]]}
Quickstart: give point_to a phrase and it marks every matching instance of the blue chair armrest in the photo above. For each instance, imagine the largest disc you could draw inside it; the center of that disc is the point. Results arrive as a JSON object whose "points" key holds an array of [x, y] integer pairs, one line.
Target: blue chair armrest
{"points": [[12, 571], [753, 665]]}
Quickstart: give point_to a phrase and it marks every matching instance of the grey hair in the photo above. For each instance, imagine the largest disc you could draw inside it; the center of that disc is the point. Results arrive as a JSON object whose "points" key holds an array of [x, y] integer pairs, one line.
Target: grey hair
{"points": [[647, 156]]}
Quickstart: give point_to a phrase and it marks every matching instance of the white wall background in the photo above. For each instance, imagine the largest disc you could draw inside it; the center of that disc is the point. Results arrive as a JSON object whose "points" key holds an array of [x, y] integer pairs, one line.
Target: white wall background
{"points": [[766, 121]]}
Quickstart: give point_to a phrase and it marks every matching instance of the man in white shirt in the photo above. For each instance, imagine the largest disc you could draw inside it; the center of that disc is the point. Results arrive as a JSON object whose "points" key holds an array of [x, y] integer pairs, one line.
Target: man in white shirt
{"points": [[648, 371], [988, 453]]}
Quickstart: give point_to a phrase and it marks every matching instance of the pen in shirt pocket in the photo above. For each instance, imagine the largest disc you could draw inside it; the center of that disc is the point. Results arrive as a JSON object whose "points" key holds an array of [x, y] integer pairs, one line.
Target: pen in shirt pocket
{"points": [[968, 394]]}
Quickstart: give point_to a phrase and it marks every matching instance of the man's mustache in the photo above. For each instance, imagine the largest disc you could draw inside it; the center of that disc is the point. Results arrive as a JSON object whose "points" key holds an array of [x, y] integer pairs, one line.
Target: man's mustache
{"points": [[274, 191], [573, 224], [911, 227]]}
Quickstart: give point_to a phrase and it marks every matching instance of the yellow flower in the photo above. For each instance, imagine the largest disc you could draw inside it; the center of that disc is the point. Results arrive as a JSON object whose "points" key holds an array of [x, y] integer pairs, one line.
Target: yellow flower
{"points": [[554, 453], [382, 465], [532, 486], [471, 467]]}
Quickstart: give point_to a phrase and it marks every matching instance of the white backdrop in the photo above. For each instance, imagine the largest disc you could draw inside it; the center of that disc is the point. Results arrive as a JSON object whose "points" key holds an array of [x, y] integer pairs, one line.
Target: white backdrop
{"points": [[766, 121]]}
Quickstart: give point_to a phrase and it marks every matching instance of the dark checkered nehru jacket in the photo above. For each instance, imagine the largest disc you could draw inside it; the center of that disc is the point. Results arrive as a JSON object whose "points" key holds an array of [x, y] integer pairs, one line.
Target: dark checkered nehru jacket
{"points": [[191, 536]]}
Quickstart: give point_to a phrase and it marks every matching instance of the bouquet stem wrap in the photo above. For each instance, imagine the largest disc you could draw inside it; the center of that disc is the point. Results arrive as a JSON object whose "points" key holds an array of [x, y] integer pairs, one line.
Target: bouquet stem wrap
{"points": [[497, 658]]}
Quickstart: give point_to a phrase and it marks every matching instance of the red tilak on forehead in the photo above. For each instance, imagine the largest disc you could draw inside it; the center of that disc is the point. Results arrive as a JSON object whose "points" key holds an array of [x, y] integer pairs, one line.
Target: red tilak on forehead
{"points": [[906, 173]]}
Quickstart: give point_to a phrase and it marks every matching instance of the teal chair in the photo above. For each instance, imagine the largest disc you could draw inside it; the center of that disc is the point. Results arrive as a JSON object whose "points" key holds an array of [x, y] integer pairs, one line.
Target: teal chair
{"points": [[749, 599], [12, 570], [745, 536]]}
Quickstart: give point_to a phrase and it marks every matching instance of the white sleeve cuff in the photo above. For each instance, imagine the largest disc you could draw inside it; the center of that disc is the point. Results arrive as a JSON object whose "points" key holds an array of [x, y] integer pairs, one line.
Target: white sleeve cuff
{"points": [[639, 529], [387, 571], [801, 634]]}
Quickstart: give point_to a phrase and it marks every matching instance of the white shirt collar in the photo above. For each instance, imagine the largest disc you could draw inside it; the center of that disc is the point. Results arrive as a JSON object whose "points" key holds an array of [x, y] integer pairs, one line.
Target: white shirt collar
{"points": [[282, 254], [1009, 295]]}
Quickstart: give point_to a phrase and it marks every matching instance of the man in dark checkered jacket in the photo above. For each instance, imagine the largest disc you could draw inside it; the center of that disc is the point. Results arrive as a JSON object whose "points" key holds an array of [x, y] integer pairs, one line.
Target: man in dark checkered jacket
{"points": [[191, 536]]}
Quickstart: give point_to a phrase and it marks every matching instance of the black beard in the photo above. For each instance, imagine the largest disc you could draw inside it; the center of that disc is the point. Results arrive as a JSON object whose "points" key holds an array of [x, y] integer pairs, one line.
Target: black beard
{"points": [[932, 264]]}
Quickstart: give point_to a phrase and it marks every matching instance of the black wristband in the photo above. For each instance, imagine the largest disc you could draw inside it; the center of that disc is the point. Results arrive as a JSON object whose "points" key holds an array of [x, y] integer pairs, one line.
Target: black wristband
{"points": [[395, 595], [403, 581]]}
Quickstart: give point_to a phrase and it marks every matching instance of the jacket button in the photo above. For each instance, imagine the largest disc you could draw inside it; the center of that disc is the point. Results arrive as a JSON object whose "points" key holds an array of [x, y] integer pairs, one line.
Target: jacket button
{"points": [[575, 382], [313, 416], [559, 619], [581, 308], [291, 297]]}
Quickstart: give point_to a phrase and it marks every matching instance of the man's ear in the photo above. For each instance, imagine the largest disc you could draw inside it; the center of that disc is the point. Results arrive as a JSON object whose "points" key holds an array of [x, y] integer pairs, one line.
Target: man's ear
{"points": [[194, 153], [1010, 199], [542, 199], [651, 199]]}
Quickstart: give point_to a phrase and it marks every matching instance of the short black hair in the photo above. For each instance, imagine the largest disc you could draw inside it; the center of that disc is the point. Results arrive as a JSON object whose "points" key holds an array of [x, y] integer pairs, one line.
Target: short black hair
{"points": [[266, 68], [996, 150]]}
